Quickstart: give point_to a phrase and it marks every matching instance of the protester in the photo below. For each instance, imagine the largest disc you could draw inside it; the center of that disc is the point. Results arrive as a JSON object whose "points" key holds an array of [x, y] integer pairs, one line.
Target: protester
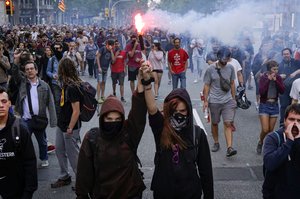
{"points": [[18, 172], [69, 124], [270, 86], [156, 60], [295, 92], [104, 57], [4, 67], [182, 160], [219, 100], [178, 62], [134, 52], [90, 56], [281, 151], [111, 171], [118, 70]]}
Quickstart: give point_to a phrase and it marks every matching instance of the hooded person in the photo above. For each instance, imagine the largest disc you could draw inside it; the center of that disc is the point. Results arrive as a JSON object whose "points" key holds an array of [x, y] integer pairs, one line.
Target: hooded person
{"points": [[107, 163], [182, 160]]}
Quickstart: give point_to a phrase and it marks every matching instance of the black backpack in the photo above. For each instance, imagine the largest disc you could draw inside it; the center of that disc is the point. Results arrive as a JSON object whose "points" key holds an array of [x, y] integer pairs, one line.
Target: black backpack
{"points": [[88, 103], [15, 132]]}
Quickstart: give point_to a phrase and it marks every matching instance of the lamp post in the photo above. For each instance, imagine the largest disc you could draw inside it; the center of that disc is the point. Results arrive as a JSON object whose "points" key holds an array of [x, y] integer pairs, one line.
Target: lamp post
{"points": [[112, 8], [38, 11]]}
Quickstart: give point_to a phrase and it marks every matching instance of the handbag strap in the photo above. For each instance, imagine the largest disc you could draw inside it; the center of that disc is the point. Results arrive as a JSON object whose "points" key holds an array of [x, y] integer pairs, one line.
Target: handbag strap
{"points": [[29, 99]]}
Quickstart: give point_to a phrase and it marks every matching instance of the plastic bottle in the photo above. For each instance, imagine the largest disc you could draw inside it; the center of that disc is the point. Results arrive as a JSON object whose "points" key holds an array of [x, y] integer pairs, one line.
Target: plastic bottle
{"points": [[206, 115]]}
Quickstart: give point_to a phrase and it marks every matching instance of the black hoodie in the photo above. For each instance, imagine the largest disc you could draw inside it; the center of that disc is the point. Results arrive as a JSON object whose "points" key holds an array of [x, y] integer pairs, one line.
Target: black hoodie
{"points": [[18, 170], [172, 181], [107, 167]]}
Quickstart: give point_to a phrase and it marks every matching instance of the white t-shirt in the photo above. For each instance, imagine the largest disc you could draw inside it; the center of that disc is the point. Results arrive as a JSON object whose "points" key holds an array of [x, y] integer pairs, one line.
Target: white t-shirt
{"points": [[295, 90], [237, 67], [34, 102], [82, 42]]}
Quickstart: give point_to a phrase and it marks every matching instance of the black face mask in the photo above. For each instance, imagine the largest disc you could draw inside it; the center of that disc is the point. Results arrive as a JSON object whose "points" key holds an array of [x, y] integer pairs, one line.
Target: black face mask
{"points": [[178, 121], [112, 128]]}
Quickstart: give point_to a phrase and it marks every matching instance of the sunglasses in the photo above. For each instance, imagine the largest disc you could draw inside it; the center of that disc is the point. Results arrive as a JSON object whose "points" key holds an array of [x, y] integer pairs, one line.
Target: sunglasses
{"points": [[175, 150]]}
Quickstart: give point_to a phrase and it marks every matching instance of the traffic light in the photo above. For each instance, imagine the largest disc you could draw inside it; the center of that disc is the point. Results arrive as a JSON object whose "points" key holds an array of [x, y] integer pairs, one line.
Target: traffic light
{"points": [[106, 12], [8, 7]]}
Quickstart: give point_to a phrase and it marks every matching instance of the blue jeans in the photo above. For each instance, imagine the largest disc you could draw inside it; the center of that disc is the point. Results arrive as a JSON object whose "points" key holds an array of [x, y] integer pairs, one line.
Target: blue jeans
{"points": [[41, 138], [181, 77]]}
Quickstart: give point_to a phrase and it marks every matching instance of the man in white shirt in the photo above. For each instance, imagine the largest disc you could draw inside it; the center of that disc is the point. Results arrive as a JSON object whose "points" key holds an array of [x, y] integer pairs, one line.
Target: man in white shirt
{"points": [[295, 92], [81, 41]]}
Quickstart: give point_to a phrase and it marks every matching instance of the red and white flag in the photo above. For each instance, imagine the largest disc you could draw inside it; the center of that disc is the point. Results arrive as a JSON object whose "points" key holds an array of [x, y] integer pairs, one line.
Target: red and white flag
{"points": [[61, 5]]}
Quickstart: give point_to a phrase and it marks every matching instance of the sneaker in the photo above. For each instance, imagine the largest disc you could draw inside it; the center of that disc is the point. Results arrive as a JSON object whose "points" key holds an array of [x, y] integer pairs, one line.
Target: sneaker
{"points": [[123, 100], [156, 97], [259, 148], [44, 163], [61, 183], [114, 94], [50, 148], [231, 151], [195, 81], [100, 100], [215, 147]]}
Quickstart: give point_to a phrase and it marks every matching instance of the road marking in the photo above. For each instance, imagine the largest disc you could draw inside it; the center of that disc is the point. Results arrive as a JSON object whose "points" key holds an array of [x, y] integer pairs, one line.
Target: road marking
{"points": [[198, 120]]}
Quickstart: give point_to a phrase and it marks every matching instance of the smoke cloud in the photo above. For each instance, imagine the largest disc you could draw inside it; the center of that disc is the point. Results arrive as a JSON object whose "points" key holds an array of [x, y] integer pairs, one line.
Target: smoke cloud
{"points": [[224, 25]]}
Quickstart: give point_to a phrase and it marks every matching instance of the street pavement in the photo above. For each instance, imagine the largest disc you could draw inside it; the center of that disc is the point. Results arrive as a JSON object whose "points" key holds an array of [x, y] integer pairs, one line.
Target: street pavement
{"points": [[236, 177]]}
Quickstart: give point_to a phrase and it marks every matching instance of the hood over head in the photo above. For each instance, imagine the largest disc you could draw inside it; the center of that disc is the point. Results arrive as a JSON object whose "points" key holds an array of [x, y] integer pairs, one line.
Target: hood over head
{"points": [[111, 104], [184, 95]]}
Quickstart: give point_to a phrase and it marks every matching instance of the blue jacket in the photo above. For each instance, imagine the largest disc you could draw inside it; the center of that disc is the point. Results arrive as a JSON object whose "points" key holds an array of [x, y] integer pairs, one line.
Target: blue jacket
{"points": [[52, 69], [281, 166]]}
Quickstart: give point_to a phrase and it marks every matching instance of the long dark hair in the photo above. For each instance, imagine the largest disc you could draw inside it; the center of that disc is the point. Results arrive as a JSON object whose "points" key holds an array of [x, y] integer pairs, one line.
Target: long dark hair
{"points": [[158, 45], [67, 72], [168, 135]]}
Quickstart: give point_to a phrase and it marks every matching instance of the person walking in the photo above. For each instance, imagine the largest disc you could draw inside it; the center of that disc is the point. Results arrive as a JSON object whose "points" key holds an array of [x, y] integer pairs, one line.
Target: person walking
{"points": [[270, 86], [178, 62]]}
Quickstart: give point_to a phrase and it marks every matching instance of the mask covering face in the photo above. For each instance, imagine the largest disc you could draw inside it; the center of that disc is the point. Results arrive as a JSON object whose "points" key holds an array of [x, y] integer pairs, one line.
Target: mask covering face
{"points": [[178, 121], [111, 129]]}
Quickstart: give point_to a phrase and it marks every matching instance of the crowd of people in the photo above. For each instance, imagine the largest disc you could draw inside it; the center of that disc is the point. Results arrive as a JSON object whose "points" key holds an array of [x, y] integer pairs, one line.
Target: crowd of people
{"points": [[40, 72]]}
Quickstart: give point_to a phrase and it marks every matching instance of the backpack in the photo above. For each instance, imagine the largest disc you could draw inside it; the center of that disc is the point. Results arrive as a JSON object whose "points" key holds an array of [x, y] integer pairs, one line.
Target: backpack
{"points": [[88, 103], [15, 132]]}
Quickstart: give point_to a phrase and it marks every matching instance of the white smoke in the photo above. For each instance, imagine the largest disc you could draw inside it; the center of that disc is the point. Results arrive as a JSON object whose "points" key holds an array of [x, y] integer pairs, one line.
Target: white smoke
{"points": [[225, 25]]}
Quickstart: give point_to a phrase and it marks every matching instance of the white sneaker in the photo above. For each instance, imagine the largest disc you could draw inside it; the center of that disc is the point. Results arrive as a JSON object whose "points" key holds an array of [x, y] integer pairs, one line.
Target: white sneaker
{"points": [[44, 163], [195, 81]]}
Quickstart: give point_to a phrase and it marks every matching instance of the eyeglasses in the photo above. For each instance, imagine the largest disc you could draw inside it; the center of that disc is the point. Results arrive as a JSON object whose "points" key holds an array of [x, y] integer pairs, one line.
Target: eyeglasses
{"points": [[175, 158]]}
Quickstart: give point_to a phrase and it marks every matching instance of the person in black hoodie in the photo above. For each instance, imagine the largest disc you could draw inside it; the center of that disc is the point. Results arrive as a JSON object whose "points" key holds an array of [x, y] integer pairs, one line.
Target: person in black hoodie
{"points": [[282, 158], [107, 163], [182, 160], [18, 169]]}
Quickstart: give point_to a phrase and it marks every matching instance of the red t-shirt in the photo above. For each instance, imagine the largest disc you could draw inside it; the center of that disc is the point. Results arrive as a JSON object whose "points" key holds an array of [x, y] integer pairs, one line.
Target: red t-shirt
{"points": [[177, 58], [119, 65], [132, 61]]}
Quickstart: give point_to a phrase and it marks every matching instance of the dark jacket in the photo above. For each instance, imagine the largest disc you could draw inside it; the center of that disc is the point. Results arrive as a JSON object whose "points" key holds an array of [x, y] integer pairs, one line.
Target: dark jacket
{"points": [[172, 181], [282, 176], [18, 170], [264, 87], [108, 168]]}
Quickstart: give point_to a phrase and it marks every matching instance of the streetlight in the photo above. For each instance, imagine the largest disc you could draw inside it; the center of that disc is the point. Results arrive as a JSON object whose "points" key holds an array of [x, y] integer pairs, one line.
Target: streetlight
{"points": [[112, 8]]}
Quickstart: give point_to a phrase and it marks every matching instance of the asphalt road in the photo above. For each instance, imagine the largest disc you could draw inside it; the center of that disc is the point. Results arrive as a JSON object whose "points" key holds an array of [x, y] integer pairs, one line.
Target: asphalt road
{"points": [[234, 178]]}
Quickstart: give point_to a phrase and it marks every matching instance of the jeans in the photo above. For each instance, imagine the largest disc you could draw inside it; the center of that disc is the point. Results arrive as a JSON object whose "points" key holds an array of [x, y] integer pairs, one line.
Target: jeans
{"points": [[41, 138], [67, 149], [181, 77], [92, 67]]}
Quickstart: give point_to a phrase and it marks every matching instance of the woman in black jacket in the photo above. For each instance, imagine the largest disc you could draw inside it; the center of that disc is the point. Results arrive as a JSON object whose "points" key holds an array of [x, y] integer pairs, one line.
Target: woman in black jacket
{"points": [[183, 168]]}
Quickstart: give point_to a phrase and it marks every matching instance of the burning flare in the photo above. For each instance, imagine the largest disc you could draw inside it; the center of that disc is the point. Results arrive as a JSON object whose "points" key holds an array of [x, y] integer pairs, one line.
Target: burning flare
{"points": [[139, 24]]}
